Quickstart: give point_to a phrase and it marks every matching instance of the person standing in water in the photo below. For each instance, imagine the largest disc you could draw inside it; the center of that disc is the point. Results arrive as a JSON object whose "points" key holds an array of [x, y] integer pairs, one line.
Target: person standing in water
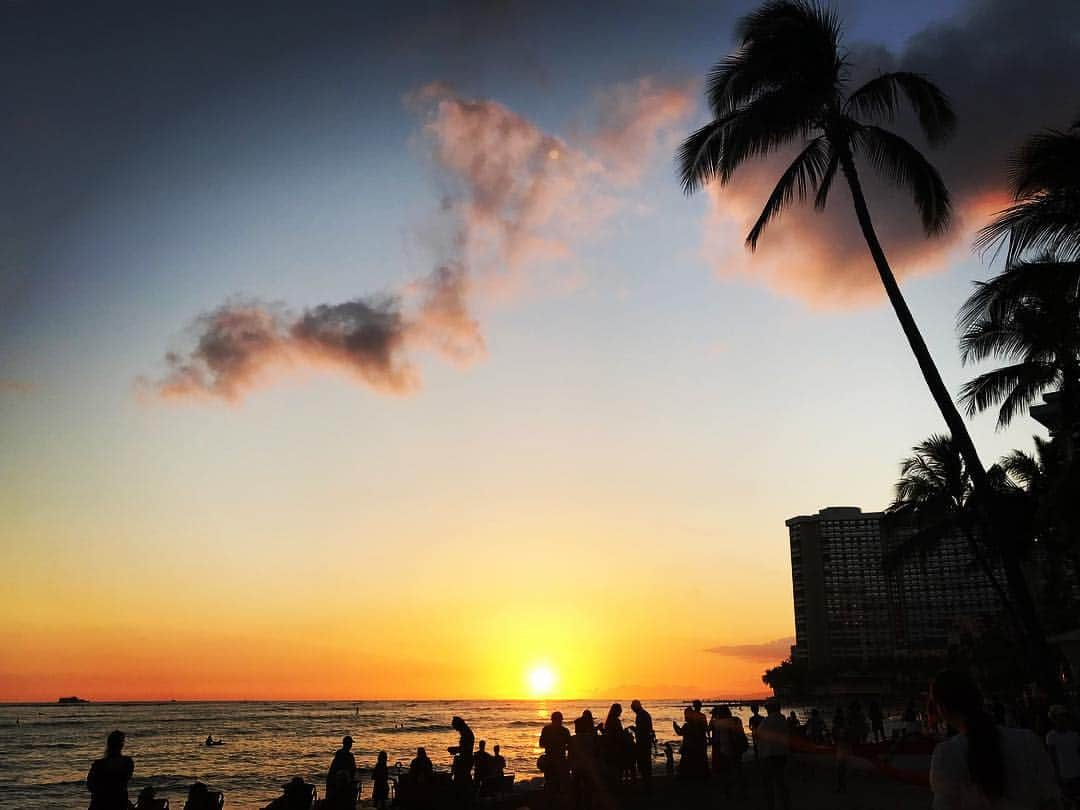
{"points": [[108, 778], [644, 740]]}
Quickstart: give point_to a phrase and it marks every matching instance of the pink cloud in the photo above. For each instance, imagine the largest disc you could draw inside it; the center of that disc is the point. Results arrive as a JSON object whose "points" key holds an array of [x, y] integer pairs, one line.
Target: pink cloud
{"points": [[820, 257], [520, 202], [637, 120]]}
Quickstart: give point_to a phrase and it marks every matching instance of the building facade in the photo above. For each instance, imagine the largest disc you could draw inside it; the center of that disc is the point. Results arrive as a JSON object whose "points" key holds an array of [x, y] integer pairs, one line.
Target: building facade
{"points": [[851, 608]]}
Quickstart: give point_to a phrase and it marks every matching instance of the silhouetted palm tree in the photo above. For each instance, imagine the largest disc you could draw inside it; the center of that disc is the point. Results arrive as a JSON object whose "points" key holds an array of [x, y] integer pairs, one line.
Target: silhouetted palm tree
{"points": [[1045, 181], [788, 81], [933, 503], [1028, 315]]}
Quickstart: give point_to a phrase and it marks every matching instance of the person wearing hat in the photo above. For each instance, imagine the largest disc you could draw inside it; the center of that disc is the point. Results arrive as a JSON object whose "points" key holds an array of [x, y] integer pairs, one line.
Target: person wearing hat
{"points": [[1063, 745], [340, 776]]}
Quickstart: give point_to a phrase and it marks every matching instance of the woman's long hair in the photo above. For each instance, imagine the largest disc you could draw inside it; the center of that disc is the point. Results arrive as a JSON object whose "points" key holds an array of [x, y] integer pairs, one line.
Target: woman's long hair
{"points": [[613, 715], [956, 693]]}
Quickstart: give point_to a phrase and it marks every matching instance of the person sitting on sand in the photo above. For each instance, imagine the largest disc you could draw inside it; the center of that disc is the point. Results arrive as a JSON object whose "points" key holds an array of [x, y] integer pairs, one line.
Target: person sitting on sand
{"points": [[380, 782], [148, 800], [108, 777], [340, 775], [421, 770]]}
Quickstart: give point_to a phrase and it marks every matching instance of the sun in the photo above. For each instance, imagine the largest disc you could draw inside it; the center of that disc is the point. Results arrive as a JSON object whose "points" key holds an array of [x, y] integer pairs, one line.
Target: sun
{"points": [[542, 681]]}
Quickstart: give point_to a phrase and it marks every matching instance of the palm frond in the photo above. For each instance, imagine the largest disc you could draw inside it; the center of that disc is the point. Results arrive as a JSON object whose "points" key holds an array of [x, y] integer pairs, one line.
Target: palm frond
{"points": [[879, 99], [1015, 386], [699, 156], [760, 128], [800, 178], [825, 184], [1048, 222], [902, 163], [1048, 160], [780, 44]]}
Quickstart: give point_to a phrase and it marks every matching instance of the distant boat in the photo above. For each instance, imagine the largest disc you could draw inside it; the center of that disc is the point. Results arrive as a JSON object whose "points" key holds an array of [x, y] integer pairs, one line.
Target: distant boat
{"points": [[72, 699]]}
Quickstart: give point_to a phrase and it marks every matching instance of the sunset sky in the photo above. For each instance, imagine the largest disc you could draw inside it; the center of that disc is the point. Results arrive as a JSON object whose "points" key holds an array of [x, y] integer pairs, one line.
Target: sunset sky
{"points": [[579, 413]]}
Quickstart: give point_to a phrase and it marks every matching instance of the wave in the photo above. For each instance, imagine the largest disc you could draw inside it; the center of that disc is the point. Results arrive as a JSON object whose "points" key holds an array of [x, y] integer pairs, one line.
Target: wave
{"points": [[408, 728]]}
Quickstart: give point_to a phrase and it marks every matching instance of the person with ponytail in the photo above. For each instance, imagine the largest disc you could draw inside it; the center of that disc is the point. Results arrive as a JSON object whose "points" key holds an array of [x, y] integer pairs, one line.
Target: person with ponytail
{"points": [[985, 766]]}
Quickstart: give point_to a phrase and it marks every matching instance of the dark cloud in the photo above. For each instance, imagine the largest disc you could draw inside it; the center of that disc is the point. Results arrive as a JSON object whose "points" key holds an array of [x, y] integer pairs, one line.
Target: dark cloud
{"points": [[243, 344], [775, 650]]}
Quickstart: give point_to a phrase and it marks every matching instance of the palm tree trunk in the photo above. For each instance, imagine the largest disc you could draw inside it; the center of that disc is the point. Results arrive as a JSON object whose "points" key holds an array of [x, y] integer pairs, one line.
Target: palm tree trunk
{"points": [[1014, 575], [926, 363]]}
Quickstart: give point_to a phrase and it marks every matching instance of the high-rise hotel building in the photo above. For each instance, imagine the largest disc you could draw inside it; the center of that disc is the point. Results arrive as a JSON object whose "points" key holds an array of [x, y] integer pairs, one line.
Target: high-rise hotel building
{"points": [[851, 609]]}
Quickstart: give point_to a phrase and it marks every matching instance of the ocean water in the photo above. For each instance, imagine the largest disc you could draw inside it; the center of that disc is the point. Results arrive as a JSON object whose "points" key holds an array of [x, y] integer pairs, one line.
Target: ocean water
{"points": [[46, 749]]}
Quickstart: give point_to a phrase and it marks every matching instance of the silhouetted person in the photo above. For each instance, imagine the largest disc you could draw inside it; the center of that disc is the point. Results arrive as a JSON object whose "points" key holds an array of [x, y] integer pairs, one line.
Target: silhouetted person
{"points": [[380, 781], [815, 726], [773, 750], [340, 775], [421, 769], [296, 794], [1063, 745], [841, 734], [860, 728], [877, 722], [498, 764], [693, 759], [731, 739], [753, 723], [612, 743], [669, 759], [108, 777], [482, 762], [794, 727], [985, 765], [584, 759], [463, 754], [200, 797], [644, 737], [555, 740], [148, 800]]}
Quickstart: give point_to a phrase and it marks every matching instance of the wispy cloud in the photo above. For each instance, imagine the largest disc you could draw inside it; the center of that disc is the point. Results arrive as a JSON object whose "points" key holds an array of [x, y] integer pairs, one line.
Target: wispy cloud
{"points": [[518, 201], [774, 650]]}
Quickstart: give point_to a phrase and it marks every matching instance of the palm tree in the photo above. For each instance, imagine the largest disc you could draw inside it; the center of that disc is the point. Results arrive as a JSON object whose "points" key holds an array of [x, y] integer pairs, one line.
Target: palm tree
{"points": [[788, 81], [1028, 315], [933, 503], [1045, 215], [1054, 510]]}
